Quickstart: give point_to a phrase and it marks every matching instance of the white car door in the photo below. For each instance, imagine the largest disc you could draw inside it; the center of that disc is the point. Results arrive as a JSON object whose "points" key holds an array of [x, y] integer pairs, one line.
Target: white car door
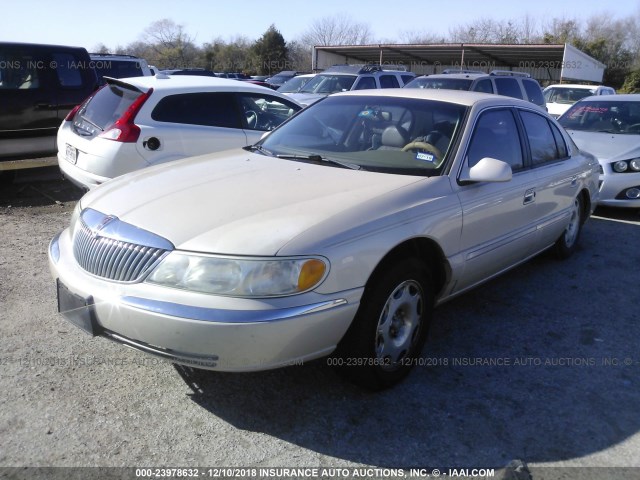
{"points": [[498, 218], [190, 124]]}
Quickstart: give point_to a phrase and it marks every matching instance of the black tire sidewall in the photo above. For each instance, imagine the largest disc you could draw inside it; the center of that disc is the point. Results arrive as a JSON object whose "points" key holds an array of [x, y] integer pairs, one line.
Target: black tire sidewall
{"points": [[356, 352]]}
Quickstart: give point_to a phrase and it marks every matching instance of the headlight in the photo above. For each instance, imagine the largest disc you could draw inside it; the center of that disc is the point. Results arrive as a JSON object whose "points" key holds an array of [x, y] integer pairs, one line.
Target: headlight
{"points": [[635, 164], [239, 277], [620, 166]]}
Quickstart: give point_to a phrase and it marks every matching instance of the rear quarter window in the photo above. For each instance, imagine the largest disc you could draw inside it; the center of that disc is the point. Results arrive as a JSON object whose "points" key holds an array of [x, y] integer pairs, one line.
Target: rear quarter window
{"points": [[210, 109], [389, 81], [67, 69], [534, 92], [508, 86]]}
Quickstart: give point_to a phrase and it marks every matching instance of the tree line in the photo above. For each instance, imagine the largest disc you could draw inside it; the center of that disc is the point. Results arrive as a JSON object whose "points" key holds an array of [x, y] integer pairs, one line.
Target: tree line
{"points": [[612, 41]]}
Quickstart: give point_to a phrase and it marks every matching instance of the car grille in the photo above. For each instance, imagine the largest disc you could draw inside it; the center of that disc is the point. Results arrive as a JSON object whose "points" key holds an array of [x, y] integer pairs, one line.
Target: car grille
{"points": [[99, 253]]}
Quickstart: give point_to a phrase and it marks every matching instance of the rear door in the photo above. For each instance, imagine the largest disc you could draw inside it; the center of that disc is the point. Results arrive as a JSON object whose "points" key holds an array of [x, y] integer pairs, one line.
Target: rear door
{"points": [[557, 175]]}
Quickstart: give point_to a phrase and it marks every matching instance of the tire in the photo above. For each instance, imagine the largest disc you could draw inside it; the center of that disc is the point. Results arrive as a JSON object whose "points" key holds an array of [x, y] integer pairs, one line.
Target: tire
{"points": [[390, 327], [568, 241]]}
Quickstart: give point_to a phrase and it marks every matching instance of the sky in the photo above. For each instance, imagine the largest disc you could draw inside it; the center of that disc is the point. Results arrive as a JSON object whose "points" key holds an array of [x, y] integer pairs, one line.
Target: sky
{"points": [[118, 23]]}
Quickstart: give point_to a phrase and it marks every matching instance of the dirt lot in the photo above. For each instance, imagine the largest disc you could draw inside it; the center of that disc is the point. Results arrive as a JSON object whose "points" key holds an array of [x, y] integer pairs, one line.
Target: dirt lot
{"points": [[540, 365]]}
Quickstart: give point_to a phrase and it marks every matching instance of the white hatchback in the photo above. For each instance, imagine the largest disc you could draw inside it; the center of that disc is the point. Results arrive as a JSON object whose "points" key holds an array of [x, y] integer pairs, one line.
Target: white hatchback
{"points": [[134, 123]]}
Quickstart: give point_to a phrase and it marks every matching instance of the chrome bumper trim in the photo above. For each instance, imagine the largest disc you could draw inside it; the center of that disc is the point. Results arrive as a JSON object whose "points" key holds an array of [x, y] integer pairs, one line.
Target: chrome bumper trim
{"points": [[217, 315]]}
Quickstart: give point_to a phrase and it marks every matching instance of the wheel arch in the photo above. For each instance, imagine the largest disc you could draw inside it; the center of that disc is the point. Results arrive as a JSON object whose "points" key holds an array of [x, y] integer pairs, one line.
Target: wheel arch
{"points": [[425, 249]]}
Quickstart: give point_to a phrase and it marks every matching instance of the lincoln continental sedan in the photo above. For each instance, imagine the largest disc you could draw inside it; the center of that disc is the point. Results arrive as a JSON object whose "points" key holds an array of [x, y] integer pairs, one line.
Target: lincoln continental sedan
{"points": [[334, 236]]}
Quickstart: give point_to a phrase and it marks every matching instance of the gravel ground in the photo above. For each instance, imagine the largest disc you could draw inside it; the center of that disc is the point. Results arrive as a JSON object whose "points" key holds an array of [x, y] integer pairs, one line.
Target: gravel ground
{"points": [[539, 365]]}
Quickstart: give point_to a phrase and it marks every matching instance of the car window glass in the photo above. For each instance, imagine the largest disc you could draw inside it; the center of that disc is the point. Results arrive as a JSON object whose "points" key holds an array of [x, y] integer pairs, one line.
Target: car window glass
{"points": [[496, 136], [264, 112], [541, 139], [365, 83], [407, 78], [68, 69], [563, 152], [508, 86], [533, 91], [483, 86], [389, 81], [212, 109], [18, 71]]}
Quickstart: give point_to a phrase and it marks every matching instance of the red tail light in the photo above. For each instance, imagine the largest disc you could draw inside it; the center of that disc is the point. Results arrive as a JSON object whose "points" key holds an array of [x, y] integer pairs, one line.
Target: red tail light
{"points": [[72, 113], [124, 130]]}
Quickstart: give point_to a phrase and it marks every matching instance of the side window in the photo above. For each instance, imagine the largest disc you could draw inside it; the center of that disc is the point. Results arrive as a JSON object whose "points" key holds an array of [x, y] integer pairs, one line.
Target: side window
{"points": [[541, 139], [18, 71], [508, 86], [68, 69], [264, 112], [496, 136], [406, 78], [483, 86], [534, 92], [563, 151], [209, 109], [389, 81], [365, 83]]}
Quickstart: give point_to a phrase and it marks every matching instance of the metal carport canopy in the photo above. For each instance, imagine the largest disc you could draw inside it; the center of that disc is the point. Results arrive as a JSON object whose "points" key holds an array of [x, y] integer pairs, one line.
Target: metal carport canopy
{"points": [[542, 61]]}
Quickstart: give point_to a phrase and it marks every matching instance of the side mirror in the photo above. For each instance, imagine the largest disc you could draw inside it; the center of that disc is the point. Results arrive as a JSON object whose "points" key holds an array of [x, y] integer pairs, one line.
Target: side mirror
{"points": [[488, 170]]}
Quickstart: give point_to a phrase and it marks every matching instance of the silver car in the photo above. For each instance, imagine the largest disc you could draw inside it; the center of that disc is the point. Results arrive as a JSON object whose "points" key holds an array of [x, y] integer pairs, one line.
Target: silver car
{"points": [[336, 234], [609, 127]]}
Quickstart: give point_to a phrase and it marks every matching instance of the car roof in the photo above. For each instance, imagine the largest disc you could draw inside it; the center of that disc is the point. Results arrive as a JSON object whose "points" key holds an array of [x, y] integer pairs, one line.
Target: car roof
{"points": [[460, 97], [457, 75], [622, 97], [181, 83], [576, 85]]}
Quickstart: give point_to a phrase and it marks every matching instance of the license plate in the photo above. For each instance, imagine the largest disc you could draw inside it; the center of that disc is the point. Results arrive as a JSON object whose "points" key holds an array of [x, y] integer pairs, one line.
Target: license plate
{"points": [[71, 154], [76, 309]]}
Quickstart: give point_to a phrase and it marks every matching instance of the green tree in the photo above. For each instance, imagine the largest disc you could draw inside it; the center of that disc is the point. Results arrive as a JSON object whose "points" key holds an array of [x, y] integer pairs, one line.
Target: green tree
{"points": [[271, 52], [632, 82]]}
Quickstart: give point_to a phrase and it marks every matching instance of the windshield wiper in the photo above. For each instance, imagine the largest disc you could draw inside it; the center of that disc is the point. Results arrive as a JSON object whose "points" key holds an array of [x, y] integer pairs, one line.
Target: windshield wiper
{"points": [[258, 148], [93, 124], [319, 159]]}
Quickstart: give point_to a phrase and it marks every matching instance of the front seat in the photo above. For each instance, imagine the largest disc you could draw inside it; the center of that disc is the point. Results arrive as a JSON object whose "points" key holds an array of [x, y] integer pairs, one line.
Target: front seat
{"points": [[393, 138]]}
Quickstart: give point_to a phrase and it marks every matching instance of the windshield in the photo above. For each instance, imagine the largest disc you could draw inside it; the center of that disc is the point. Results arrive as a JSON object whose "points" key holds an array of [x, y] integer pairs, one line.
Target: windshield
{"points": [[326, 83], [566, 95], [603, 116], [384, 134], [293, 85], [446, 83]]}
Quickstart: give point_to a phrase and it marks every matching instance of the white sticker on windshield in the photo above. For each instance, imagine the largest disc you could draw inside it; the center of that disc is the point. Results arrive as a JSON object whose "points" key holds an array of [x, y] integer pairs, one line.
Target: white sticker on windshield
{"points": [[427, 157]]}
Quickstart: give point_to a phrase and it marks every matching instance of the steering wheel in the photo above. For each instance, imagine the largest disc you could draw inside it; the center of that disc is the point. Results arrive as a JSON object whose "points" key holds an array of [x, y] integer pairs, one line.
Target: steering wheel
{"points": [[425, 147], [252, 118]]}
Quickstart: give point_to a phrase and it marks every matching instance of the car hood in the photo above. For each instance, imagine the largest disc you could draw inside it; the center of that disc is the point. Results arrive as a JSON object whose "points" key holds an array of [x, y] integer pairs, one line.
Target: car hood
{"points": [[607, 146], [246, 204]]}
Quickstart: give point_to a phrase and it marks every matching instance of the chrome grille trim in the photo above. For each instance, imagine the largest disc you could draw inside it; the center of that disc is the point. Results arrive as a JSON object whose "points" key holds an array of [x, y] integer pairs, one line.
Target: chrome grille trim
{"points": [[108, 248]]}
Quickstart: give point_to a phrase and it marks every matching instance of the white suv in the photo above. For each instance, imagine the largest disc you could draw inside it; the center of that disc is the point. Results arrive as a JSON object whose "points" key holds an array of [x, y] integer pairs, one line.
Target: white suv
{"points": [[136, 122], [341, 78], [560, 97]]}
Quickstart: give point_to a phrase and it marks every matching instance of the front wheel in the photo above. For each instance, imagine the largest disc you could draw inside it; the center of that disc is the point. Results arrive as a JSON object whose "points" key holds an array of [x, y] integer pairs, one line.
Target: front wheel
{"points": [[390, 327], [568, 241]]}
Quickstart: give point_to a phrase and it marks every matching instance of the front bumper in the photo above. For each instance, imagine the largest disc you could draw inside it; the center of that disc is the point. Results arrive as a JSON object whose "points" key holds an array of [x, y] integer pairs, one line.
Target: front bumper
{"points": [[206, 331], [613, 184]]}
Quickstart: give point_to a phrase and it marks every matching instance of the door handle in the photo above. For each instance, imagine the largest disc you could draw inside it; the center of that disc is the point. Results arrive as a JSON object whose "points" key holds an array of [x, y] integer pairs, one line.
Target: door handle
{"points": [[529, 196]]}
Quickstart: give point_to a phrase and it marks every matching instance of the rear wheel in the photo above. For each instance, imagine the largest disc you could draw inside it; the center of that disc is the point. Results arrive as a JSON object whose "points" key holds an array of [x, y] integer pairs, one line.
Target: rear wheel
{"points": [[390, 328], [568, 241]]}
